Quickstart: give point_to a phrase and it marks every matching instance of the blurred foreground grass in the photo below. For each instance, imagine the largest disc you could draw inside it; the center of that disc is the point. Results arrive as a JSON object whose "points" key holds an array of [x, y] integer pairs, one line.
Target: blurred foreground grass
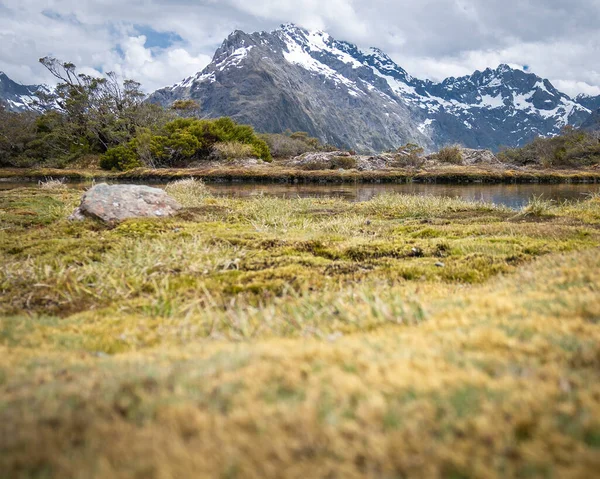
{"points": [[400, 337]]}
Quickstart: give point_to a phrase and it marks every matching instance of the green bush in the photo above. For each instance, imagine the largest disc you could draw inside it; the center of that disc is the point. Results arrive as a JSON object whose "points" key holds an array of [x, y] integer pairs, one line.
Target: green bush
{"points": [[120, 158], [183, 141], [449, 154], [187, 139], [571, 149]]}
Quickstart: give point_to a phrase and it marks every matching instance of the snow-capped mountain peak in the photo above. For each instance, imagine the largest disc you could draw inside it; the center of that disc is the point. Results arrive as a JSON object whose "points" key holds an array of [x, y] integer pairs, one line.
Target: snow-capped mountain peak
{"points": [[307, 80], [18, 97]]}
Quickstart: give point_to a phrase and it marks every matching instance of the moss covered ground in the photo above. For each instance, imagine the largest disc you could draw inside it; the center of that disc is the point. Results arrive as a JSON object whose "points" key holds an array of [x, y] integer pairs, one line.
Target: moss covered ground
{"points": [[401, 337]]}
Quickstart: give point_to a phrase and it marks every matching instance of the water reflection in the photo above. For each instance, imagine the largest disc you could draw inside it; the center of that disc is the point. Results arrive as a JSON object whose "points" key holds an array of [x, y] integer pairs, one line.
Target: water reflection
{"points": [[513, 196]]}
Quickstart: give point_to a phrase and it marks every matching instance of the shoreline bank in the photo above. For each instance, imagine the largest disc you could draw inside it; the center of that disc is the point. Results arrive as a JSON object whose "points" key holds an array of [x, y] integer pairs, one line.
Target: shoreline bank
{"points": [[280, 175]]}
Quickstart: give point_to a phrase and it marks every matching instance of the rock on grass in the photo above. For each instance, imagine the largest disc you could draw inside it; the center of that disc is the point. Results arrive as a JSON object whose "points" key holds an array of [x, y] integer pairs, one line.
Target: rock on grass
{"points": [[114, 203]]}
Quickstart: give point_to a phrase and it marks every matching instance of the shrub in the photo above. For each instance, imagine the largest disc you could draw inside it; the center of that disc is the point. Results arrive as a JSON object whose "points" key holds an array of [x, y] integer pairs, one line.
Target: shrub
{"points": [[288, 144], [188, 139], [186, 108], [233, 150], [343, 162], [282, 146], [120, 158], [179, 147], [450, 154], [571, 149], [408, 156], [184, 140]]}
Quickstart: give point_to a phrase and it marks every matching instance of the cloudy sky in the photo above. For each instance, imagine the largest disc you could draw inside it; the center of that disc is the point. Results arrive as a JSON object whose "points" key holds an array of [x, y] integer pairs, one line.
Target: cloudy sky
{"points": [[160, 42]]}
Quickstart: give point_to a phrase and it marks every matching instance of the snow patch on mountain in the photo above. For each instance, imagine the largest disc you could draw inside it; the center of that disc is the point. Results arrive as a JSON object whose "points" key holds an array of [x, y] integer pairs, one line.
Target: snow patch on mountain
{"points": [[423, 127], [235, 58], [488, 101], [299, 54], [18, 97]]}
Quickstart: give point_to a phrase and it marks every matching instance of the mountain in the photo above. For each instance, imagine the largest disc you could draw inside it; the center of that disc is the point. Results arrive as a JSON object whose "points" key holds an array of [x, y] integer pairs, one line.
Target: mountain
{"points": [[17, 97], [593, 122], [296, 79], [588, 101]]}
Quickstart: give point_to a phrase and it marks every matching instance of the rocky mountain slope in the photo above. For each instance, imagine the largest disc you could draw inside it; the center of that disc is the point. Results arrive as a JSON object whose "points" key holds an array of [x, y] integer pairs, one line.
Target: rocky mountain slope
{"points": [[592, 123], [306, 80], [17, 97]]}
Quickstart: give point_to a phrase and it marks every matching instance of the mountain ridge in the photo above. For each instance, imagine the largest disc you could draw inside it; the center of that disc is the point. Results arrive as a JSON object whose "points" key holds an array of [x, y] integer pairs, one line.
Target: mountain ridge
{"points": [[486, 109], [18, 97]]}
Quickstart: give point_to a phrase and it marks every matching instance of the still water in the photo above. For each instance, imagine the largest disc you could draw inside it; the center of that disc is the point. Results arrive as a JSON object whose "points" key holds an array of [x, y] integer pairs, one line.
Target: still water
{"points": [[511, 195]]}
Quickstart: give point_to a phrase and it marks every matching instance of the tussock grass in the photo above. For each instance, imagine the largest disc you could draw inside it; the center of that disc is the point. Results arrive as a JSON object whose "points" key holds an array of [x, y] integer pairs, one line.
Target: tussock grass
{"points": [[188, 192], [538, 206], [52, 184], [300, 338], [233, 150]]}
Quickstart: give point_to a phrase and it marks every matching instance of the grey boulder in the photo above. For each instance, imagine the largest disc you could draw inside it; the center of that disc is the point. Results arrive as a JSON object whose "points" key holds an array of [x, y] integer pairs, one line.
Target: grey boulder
{"points": [[114, 203]]}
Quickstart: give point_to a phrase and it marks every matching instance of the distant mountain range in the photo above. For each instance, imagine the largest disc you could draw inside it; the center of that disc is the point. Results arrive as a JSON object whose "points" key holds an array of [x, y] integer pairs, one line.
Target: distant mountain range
{"points": [[17, 97], [306, 80], [302, 80]]}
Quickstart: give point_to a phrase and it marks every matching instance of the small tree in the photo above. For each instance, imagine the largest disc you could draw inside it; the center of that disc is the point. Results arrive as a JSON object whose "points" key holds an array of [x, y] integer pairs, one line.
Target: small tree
{"points": [[186, 108], [450, 154], [99, 112]]}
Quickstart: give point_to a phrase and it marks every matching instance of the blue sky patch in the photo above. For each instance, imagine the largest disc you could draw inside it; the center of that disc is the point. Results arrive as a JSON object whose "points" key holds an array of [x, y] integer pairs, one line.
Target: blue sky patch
{"points": [[156, 39]]}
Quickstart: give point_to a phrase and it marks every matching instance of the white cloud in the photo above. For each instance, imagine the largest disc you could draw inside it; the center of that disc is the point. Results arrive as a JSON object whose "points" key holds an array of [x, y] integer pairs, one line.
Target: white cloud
{"points": [[556, 39], [159, 69], [571, 87]]}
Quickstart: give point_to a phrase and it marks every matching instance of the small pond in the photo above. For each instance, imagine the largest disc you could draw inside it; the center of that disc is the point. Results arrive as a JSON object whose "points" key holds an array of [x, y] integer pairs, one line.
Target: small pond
{"points": [[511, 195]]}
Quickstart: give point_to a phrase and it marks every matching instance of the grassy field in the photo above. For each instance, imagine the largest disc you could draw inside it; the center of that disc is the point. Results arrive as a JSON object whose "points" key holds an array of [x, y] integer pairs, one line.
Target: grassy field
{"points": [[275, 172], [302, 338]]}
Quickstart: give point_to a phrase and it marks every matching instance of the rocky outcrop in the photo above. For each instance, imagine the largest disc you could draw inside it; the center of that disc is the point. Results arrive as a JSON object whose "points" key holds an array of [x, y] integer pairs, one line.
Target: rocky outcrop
{"points": [[478, 157], [114, 203], [340, 160], [468, 157]]}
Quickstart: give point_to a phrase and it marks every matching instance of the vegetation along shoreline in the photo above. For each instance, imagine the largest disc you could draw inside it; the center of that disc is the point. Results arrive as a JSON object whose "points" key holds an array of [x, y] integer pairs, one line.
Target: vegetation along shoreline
{"points": [[276, 175]]}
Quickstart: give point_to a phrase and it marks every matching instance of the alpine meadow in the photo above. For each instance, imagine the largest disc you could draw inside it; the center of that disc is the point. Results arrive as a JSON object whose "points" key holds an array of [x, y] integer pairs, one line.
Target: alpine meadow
{"points": [[297, 259]]}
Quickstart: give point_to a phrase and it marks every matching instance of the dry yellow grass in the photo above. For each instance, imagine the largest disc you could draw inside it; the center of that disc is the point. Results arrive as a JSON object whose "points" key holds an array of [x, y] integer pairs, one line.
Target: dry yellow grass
{"points": [[300, 338], [52, 184]]}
